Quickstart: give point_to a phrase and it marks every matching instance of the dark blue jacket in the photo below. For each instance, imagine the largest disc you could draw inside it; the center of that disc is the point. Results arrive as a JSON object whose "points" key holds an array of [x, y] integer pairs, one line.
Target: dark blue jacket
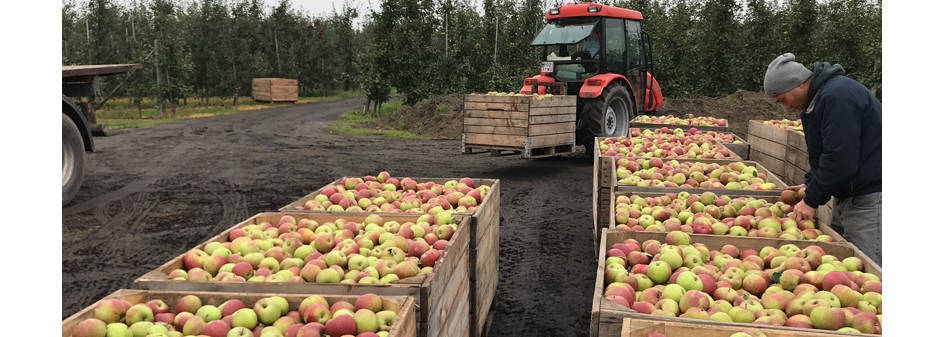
{"points": [[843, 130]]}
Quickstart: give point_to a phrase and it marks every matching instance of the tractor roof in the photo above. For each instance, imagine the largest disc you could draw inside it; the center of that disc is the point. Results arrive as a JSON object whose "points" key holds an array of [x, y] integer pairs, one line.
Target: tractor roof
{"points": [[585, 9]]}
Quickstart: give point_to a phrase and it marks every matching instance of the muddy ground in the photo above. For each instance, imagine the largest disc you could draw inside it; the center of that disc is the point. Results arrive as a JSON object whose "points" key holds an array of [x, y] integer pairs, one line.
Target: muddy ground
{"points": [[150, 194]]}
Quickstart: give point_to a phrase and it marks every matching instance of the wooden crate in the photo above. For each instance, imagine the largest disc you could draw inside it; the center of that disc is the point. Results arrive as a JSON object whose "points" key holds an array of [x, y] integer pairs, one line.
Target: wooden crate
{"points": [[528, 125], [276, 90], [644, 327], [404, 306], [442, 296], [821, 216], [607, 316], [483, 245], [780, 185]]}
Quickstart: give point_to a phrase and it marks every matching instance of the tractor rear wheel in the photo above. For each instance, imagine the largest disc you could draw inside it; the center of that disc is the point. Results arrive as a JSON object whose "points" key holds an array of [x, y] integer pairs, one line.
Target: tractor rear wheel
{"points": [[608, 115]]}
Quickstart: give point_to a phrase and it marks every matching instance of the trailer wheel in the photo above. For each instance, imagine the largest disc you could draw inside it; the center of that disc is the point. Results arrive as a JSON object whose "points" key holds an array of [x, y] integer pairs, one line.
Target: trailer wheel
{"points": [[608, 115], [73, 159]]}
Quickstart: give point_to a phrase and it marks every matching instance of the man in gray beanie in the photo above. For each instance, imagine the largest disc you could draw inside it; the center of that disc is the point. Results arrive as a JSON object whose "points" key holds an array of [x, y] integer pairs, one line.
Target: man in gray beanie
{"points": [[842, 123]]}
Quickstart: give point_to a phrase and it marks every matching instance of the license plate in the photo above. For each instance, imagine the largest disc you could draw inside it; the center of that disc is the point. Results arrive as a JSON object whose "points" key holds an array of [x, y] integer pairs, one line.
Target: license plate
{"points": [[547, 67]]}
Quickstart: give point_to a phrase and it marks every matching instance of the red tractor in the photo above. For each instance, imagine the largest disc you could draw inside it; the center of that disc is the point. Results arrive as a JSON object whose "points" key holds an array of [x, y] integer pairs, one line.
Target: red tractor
{"points": [[601, 53]]}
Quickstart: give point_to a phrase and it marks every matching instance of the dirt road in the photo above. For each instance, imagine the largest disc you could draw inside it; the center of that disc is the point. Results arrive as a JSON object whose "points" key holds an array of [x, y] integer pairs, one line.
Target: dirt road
{"points": [[150, 194]]}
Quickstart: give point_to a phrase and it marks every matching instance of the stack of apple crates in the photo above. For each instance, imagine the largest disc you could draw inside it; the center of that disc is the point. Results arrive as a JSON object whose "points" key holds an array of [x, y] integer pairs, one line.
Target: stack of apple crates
{"points": [[609, 319], [455, 299]]}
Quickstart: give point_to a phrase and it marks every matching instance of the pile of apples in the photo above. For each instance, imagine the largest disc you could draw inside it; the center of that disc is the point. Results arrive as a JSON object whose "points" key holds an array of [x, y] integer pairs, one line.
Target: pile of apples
{"points": [[371, 252], [777, 286], [391, 195], [708, 213], [268, 317], [653, 172], [787, 124], [663, 143], [536, 96], [689, 120]]}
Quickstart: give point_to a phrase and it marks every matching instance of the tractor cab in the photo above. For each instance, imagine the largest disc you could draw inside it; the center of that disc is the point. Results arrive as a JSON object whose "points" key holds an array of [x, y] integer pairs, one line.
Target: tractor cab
{"points": [[601, 54]]}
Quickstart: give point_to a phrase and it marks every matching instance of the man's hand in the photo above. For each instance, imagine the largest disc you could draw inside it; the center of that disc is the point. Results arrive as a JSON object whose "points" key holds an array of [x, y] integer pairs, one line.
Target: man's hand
{"points": [[803, 212]]}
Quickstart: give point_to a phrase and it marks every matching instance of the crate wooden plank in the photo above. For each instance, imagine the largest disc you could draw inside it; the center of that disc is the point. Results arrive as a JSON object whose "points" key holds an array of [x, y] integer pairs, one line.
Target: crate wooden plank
{"points": [[555, 101], [793, 175], [551, 129], [493, 139], [474, 113], [404, 306], [774, 134], [552, 119], [796, 140], [551, 140], [774, 165], [487, 278], [797, 157], [449, 274], [497, 106], [547, 111], [447, 289], [604, 167], [475, 98], [776, 150], [643, 327], [507, 122], [607, 316], [496, 130]]}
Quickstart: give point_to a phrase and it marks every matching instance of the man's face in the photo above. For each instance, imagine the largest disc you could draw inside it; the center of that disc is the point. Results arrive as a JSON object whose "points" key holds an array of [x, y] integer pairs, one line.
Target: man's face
{"points": [[795, 99]]}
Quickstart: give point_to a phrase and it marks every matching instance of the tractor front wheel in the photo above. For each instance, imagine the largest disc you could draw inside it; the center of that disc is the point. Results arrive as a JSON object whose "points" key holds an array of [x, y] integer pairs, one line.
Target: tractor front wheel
{"points": [[608, 115]]}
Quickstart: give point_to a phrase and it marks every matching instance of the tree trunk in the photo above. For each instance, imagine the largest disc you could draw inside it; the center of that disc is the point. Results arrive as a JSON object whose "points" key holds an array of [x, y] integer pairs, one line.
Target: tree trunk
{"points": [[367, 106]]}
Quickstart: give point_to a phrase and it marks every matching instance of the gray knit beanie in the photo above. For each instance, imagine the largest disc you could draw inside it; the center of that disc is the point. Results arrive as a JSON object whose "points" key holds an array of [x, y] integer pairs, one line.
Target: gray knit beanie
{"points": [[784, 74]]}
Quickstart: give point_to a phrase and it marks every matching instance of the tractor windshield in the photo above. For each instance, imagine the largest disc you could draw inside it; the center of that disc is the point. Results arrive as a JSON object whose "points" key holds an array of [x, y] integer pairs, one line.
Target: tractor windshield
{"points": [[564, 33]]}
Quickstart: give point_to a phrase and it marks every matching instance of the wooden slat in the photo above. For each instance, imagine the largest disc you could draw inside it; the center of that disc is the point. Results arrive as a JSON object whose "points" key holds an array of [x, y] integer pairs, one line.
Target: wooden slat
{"points": [[767, 147], [552, 140], [563, 110], [796, 140], [478, 113], [643, 327], [498, 140], [552, 119], [599, 286], [495, 106], [767, 132], [797, 158], [404, 306], [507, 122], [495, 130], [551, 129], [555, 101], [473, 98], [774, 165], [448, 284], [487, 275]]}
